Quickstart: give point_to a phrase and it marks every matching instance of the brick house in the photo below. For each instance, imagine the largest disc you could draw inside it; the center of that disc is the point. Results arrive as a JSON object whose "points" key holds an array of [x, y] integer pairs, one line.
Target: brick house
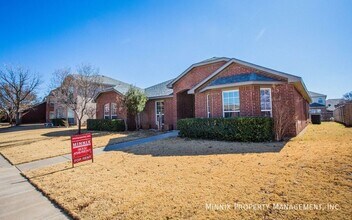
{"points": [[56, 110], [217, 87], [319, 106]]}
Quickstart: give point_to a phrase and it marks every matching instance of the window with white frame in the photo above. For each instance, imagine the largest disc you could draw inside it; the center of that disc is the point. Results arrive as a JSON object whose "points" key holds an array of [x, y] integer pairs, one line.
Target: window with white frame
{"points": [[159, 112], [231, 103], [51, 115], [208, 106], [113, 111], [59, 112], [107, 111], [265, 102]]}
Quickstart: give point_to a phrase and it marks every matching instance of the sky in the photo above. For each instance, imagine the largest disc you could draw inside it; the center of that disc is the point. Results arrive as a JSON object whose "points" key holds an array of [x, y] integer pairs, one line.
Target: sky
{"points": [[147, 42]]}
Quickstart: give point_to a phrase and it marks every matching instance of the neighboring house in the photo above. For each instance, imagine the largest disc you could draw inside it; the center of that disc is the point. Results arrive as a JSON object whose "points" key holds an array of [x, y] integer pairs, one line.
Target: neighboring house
{"points": [[217, 87], [331, 104], [57, 110], [319, 106], [35, 114]]}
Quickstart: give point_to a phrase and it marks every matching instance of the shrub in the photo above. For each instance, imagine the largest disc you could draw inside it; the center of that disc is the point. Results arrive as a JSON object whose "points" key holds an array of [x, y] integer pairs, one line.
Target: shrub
{"points": [[247, 129], [106, 124], [59, 122]]}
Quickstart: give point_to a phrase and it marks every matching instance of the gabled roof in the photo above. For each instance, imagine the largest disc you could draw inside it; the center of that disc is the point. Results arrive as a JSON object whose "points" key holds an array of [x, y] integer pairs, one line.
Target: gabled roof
{"points": [[244, 77], [296, 80], [331, 103], [156, 91], [204, 62], [290, 78], [315, 94], [159, 90]]}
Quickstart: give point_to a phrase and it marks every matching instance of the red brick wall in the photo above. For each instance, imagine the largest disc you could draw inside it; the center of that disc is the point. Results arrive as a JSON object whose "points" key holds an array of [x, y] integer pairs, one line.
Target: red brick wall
{"points": [[111, 97], [282, 94], [250, 100], [301, 111], [36, 114], [283, 97], [148, 115], [191, 79]]}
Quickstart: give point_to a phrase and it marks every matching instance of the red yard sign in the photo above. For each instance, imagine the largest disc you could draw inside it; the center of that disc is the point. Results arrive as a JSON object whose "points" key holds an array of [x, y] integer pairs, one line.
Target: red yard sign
{"points": [[81, 148]]}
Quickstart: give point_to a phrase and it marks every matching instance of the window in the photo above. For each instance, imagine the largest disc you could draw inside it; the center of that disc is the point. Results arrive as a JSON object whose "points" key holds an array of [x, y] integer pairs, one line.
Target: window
{"points": [[320, 101], [59, 112], [208, 106], [265, 101], [159, 112], [70, 113], [107, 111], [113, 111], [51, 115], [231, 103], [315, 111]]}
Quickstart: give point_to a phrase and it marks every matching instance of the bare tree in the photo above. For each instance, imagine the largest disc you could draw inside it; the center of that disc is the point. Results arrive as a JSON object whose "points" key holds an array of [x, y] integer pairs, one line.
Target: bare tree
{"points": [[18, 90], [281, 115], [76, 91]]}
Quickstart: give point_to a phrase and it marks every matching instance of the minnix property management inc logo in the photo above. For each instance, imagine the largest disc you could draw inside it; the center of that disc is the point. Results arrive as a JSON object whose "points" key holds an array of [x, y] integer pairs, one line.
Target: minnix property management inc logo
{"points": [[265, 206]]}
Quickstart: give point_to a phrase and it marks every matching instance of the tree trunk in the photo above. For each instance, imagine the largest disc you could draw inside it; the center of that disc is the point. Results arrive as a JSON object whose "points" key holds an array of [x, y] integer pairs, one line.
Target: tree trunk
{"points": [[79, 126], [17, 118], [136, 121]]}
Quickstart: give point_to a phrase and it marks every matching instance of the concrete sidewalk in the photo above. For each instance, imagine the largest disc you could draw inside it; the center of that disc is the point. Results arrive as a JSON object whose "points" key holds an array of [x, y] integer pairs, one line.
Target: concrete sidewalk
{"points": [[97, 151], [20, 200]]}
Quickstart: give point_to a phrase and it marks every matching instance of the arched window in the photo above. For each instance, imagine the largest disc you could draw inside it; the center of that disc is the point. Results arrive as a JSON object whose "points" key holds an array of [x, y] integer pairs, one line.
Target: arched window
{"points": [[113, 111], [107, 111]]}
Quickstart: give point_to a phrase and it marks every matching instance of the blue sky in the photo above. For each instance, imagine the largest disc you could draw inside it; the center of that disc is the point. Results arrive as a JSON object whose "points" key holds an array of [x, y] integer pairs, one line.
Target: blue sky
{"points": [[146, 42]]}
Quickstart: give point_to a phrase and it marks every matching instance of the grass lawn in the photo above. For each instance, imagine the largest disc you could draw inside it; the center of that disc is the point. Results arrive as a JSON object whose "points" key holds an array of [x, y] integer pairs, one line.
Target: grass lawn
{"points": [[33, 142], [177, 178]]}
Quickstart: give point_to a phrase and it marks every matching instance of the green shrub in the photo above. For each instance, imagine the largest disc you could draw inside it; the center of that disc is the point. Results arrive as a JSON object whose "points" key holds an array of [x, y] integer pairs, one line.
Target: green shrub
{"points": [[246, 129], [59, 122], [106, 124]]}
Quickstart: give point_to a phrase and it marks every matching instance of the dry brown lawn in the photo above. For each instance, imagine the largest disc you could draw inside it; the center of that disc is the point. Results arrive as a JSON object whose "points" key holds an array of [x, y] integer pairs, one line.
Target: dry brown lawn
{"points": [[33, 142], [176, 178]]}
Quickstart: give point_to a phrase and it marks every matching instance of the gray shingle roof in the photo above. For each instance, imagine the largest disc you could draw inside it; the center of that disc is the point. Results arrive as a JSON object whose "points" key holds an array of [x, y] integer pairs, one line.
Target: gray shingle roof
{"points": [[118, 85], [159, 90], [244, 77]]}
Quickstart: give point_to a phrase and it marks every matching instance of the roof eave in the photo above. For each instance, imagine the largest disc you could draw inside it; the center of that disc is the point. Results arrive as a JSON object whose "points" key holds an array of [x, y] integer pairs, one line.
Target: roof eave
{"points": [[160, 97], [238, 84]]}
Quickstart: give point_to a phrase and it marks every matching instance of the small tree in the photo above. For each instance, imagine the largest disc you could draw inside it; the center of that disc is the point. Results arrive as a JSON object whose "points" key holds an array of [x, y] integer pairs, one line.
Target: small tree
{"points": [[281, 115], [135, 101], [76, 91], [18, 90]]}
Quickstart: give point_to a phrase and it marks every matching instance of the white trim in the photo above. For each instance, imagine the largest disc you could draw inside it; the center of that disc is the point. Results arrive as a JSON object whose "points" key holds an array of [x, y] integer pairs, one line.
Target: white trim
{"points": [[156, 113], [111, 109], [160, 97], [240, 84], [239, 101], [208, 107], [195, 65], [271, 102], [104, 110], [110, 89]]}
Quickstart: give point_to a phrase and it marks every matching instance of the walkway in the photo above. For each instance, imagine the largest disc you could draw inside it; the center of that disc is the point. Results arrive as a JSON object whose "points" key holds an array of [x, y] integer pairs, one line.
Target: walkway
{"points": [[20, 200], [64, 158]]}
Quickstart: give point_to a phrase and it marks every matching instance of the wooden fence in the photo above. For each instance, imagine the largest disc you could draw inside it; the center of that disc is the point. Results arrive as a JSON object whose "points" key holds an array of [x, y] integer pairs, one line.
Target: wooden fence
{"points": [[343, 114]]}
